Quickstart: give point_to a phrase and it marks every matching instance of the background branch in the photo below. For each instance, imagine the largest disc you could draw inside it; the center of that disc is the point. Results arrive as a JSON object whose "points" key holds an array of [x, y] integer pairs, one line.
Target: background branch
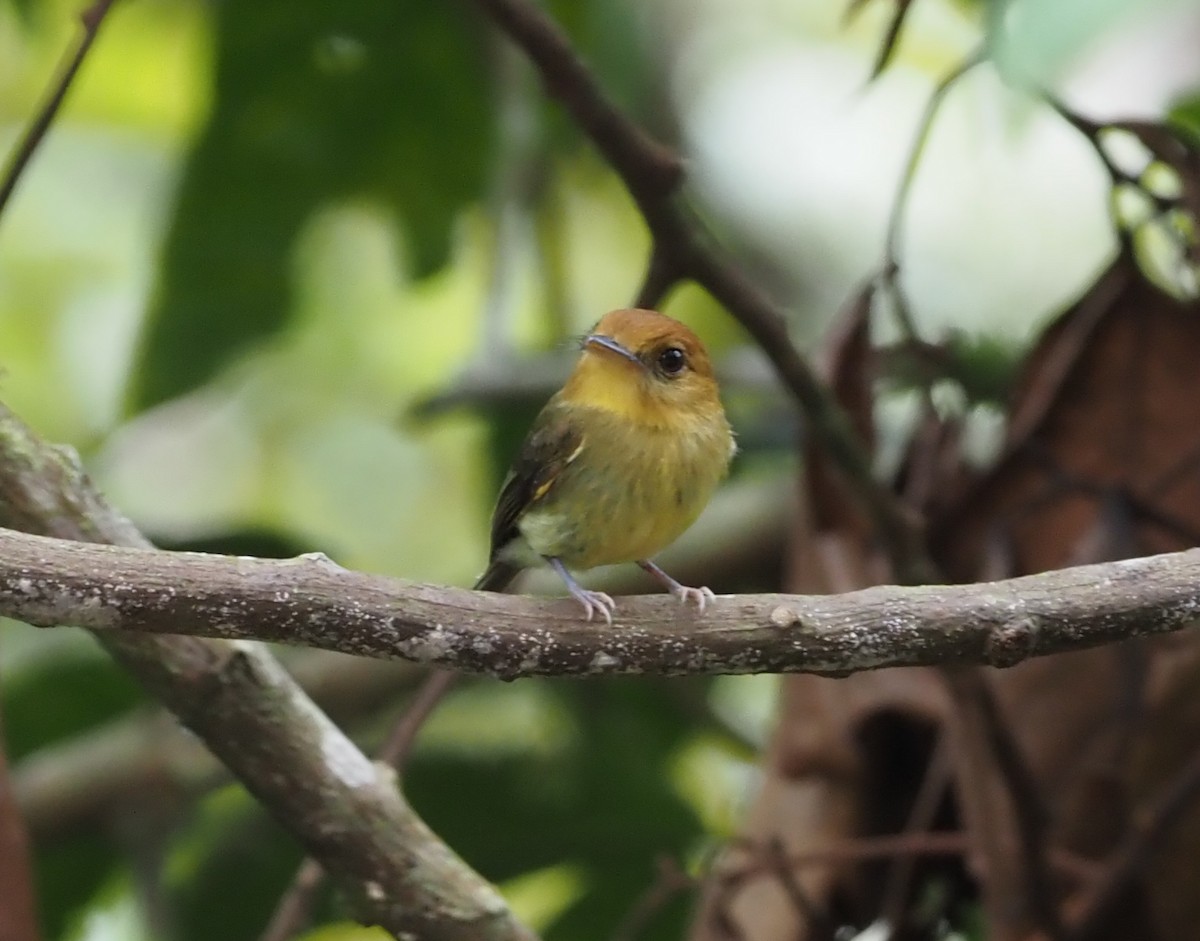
{"points": [[314, 602], [890, 274], [1131, 859], [91, 18], [18, 915]]}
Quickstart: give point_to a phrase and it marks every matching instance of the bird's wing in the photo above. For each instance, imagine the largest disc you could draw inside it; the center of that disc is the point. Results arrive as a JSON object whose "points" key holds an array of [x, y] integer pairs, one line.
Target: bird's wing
{"points": [[555, 441]]}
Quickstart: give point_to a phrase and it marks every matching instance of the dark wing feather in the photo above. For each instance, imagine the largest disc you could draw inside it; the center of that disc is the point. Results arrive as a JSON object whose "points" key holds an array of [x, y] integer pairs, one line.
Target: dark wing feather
{"points": [[552, 445]]}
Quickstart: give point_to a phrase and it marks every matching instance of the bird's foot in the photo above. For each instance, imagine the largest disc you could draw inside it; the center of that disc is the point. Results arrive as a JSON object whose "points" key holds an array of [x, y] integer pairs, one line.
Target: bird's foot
{"points": [[594, 601], [702, 596]]}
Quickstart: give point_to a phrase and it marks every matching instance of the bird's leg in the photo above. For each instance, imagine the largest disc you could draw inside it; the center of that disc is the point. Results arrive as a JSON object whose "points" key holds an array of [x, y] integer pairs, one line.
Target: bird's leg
{"points": [[685, 594], [592, 601]]}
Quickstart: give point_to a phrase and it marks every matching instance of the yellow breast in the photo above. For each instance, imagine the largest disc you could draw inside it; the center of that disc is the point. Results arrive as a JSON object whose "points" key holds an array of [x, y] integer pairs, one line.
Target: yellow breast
{"points": [[631, 492]]}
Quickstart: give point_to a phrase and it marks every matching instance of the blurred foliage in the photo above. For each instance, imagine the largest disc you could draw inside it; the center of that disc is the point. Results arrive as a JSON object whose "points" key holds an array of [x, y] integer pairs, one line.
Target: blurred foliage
{"points": [[983, 366], [260, 231], [54, 699], [1186, 115], [227, 837], [314, 102], [600, 801]]}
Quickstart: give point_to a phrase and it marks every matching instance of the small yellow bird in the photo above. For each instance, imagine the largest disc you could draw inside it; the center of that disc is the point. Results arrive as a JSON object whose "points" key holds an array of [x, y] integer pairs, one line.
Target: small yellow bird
{"points": [[620, 461]]}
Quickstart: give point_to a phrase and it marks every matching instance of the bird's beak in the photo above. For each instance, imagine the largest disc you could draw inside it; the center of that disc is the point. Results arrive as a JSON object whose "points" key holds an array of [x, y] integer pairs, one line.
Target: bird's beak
{"points": [[608, 343]]}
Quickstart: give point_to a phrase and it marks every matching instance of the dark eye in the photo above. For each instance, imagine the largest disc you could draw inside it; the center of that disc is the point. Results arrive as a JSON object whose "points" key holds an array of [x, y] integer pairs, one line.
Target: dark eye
{"points": [[671, 360]]}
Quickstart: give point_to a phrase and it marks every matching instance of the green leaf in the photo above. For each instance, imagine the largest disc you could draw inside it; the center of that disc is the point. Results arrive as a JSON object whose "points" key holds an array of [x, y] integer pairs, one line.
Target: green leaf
{"points": [[233, 852], [66, 696], [314, 102], [602, 802], [1185, 115], [58, 697], [24, 10], [346, 931], [68, 874]]}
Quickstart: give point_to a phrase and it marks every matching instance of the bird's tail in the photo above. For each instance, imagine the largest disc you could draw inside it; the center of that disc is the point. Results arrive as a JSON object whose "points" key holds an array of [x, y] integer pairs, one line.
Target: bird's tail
{"points": [[499, 576]]}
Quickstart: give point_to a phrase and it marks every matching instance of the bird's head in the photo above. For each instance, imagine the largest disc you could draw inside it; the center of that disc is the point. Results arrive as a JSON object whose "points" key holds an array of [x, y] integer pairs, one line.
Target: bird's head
{"points": [[646, 366]]}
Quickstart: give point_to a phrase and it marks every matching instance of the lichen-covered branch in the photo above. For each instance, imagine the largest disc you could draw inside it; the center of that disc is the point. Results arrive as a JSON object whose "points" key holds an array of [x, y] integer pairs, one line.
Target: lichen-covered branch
{"points": [[309, 600], [345, 810]]}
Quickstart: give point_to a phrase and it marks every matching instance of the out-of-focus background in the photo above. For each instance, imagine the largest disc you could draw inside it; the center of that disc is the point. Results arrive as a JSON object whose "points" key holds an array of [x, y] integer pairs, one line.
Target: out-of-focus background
{"points": [[294, 275]]}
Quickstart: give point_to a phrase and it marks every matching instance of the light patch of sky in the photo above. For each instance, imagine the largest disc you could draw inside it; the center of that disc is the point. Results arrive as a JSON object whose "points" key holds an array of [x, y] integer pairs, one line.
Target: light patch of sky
{"points": [[790, 146], [1107, 58]]}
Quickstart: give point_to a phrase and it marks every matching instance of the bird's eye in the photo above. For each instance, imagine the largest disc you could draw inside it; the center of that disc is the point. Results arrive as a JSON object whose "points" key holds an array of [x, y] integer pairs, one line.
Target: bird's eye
{"points": [[671, 360]]}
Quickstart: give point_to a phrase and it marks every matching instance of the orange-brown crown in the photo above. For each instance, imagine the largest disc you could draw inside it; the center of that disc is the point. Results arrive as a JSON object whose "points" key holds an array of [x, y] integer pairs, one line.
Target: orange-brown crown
{"points": [[645, 331], [634, 379]]}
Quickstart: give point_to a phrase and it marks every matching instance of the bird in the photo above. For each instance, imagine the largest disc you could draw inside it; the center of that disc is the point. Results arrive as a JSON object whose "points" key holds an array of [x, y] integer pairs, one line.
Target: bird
{"points": [[618, 463]]}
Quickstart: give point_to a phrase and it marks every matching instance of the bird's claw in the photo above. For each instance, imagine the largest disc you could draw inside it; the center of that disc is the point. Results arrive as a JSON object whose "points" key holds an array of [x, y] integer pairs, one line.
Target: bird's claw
{"points": [[702, 595], [594, 601]]}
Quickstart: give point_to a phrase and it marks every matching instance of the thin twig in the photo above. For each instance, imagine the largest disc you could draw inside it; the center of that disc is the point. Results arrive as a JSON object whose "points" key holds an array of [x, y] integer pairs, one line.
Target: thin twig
{"points": [[920, 819], [1130, 860], [891, 35], [91, 18], [1175, 213], [890, 273], [775, 859], [891, 38], [398, 747], [891, 846], [1029, 814], [671, 881], [860, 849], [294, 911]]}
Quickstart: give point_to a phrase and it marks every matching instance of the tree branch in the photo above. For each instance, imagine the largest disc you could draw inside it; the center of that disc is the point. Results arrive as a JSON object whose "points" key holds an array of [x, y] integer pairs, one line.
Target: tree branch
{"points": [[253, 716], [311, 601], [91, 18], [146, 759], [294, 911]]}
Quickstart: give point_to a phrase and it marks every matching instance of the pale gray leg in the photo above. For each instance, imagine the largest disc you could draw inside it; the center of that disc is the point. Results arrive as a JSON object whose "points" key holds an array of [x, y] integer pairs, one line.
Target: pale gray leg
{"points": [[685, 594], [592, 601]]}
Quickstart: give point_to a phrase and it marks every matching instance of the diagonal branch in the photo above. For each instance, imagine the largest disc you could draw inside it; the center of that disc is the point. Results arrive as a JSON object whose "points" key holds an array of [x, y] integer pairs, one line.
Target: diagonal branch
{"points": [[118, 592], [252, 715], [294, 911]]}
